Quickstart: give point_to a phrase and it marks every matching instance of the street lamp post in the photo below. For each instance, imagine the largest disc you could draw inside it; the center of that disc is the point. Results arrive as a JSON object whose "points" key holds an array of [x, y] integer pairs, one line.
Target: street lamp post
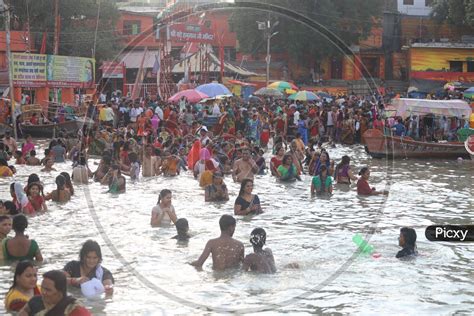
{"points": [[268, 34]]}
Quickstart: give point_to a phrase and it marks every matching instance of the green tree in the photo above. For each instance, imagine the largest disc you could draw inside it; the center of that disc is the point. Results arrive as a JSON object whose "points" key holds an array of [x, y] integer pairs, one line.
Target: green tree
{"points": [[455, 12], [350, 20], [78, 24]]}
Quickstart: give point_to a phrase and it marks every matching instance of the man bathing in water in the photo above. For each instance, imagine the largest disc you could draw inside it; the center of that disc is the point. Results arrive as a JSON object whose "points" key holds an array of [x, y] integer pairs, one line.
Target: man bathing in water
{"points": [[226, 251], [245, 167]]}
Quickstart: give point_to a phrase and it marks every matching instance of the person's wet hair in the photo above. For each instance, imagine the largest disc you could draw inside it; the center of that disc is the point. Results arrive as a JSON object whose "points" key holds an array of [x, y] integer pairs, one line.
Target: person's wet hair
{"points": [[59, 279], [60, 182], [182, 226], [11, 208], [67, 177], [258, 237], [226, 221], [363, 170], [90, 246], [409, 235], [162, 194], [20, 223]]}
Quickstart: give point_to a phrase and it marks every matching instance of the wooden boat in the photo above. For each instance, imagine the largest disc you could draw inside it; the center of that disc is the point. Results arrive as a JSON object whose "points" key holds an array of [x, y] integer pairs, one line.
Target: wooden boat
{"points": [[51, 130], [75, 120], [379, 145], [469, 145]]}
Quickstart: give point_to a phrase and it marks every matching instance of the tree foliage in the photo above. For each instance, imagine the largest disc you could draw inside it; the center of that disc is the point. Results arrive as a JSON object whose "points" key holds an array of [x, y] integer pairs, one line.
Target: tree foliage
{"points": [[350, 20], [78, 24], [455, 12]]}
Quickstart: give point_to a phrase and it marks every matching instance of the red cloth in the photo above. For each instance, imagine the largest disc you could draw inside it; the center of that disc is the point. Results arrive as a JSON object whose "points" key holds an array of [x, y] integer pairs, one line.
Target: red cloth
{"points": [[363, 187]]}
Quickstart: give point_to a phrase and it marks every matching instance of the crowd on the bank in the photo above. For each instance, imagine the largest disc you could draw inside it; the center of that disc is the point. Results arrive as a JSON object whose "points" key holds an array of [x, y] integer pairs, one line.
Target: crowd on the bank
{"points": [[216, 142]]}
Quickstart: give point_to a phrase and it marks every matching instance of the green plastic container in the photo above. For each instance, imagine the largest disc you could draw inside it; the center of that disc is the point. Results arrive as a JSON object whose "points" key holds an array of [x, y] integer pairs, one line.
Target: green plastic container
{"points": [[362, 244]]}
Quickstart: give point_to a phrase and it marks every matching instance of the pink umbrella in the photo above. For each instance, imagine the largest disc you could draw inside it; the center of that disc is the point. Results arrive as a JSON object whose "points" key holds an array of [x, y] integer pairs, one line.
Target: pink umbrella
{"points": [[191, 95]]}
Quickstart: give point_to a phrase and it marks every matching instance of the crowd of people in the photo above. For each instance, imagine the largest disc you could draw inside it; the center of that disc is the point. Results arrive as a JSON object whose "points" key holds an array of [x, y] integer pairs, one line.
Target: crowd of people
{"points": [[146, 138]]}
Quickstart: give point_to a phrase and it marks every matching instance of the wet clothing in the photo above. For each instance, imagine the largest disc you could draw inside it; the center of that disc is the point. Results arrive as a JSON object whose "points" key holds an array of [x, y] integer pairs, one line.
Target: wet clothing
{"points": [[30, 255], [73, 268], [287, 174], [68, 306], [15, 300], [363, 187], [244, 204], [343, 172], [407, 251], [166, 218], [58, 152], [317, 183]]}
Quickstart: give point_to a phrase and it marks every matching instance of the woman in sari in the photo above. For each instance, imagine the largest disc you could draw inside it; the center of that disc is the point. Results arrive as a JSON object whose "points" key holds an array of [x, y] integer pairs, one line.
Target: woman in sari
{"points": [[247, 203], [287, 170]]}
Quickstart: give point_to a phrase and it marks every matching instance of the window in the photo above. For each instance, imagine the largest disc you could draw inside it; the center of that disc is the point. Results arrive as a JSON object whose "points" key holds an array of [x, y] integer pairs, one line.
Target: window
{"points": [[428, 3], [131, 27], [408, 2], [230, 53], [455, 66], [470, 66]]}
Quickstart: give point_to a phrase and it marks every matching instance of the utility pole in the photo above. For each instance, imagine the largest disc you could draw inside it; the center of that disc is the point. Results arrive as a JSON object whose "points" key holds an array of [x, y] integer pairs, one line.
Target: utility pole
{"points": [[56, 42], [6, 11], [56, 27], [268, 34]]}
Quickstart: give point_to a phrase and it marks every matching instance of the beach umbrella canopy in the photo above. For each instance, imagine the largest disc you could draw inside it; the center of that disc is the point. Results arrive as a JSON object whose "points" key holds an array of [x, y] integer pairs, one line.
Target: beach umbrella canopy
{"points": [[304, 96], [213, 89], [290, 91], [269, 92], [323, 94], [191, 95], [282, 85], [254, 99]]}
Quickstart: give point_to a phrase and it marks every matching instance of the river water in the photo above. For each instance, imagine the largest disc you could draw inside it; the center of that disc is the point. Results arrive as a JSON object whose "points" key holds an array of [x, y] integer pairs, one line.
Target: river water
{"points": [[153, 277]]}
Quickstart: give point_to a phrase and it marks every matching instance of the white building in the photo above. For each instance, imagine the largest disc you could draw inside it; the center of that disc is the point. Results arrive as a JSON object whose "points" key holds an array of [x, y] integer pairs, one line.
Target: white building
{"points": [[414, 7]]}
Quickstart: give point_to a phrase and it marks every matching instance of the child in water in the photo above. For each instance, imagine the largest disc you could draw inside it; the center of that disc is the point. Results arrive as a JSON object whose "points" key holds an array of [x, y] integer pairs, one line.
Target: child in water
{"points": [[182, 228], [261, 260], [407, 241]]}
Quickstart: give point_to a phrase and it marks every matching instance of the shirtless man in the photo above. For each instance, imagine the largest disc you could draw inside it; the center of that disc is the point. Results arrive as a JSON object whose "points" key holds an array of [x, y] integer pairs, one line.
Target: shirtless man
{"points": [[226, 251], [150, 163], [245, 167]]}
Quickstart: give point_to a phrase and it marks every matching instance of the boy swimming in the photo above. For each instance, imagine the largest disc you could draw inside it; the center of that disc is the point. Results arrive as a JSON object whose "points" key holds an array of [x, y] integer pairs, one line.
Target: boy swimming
{"points": [[261, 260], [182, 228]]}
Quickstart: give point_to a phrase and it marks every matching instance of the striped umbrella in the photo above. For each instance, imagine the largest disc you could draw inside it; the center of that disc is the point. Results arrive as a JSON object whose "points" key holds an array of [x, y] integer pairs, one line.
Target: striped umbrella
{"points": [[282, 85], [269, 92], [191, 95], [304, 96]]}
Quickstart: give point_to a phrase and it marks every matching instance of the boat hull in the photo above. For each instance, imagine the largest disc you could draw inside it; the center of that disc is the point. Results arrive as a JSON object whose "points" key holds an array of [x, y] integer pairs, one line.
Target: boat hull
{"points": [[380, 146], [51, 130]]}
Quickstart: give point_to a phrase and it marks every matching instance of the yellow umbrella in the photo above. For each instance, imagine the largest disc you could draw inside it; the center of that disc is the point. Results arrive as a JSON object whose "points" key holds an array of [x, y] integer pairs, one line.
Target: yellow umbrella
{"points": [[290, 91]]}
